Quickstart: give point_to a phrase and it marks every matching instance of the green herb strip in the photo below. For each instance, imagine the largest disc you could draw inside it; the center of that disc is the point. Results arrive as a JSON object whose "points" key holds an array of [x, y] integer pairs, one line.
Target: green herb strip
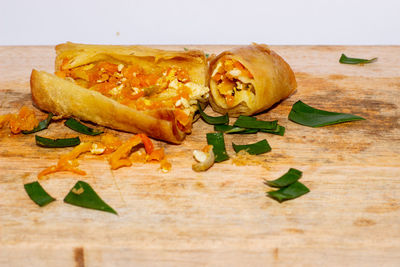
{"points": [[253, 149], [291, 176], [349, 60], [306, 115], [253, 123], [280, 130], [218, 143], [83, 195], [292, 191], [228, 129], [80, 128], [213, 120], [54, 143], [36, 192], [41, 126], [233, 129]]}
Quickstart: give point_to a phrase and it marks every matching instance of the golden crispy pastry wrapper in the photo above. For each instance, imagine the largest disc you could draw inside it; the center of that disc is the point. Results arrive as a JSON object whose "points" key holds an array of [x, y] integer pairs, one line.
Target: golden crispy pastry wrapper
{"points": [[66, 98], [273, 80], [150, 59]]}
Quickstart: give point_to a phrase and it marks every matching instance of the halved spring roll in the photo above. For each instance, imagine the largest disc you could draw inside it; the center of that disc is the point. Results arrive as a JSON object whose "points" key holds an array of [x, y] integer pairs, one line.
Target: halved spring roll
{"points": [[130, 88], [249, 79]]}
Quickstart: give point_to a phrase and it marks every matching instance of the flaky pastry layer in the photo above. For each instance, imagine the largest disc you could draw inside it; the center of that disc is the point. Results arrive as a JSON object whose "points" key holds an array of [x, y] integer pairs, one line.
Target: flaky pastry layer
{"points": [[268, 79]]}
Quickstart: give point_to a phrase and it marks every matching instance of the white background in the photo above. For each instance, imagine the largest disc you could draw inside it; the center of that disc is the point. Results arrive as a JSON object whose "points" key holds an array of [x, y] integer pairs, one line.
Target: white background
{"points": [[346, 22]]}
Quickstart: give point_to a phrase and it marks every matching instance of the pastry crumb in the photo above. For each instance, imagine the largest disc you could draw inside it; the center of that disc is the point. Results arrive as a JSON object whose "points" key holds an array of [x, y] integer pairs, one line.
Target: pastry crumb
{"points": [[243, 158]]}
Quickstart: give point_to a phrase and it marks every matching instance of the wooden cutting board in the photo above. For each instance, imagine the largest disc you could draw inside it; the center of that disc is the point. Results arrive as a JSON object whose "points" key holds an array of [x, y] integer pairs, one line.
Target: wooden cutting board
{"points": [[222, 216]]}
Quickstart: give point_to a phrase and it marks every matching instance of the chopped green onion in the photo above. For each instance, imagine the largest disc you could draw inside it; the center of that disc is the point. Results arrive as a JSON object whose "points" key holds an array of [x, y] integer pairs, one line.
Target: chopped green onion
{"points": [[349, 60], [207, 55], [228, 129], [83, 195], [186, 49], [213, 120], [253, 123], [218, 143], [292, 191], [253, 149], [41, 126], [80, 128], [306, 115], [53, 143], [36, 192], [291, 176]]}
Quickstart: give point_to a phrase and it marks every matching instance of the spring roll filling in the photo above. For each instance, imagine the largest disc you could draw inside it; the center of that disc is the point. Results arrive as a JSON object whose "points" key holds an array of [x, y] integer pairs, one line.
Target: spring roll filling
{"points": [[142, 89], [233, 81]]}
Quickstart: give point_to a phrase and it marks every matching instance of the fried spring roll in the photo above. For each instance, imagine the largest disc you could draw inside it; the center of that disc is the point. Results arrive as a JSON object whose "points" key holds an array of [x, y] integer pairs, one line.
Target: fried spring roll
{"points": [[249, 79], [129, 88]]}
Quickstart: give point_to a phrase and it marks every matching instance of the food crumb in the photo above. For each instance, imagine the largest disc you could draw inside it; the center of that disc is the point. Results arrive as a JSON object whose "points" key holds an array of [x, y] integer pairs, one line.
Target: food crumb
{"points": [[165, 166], [78, 191], [243, 158]]}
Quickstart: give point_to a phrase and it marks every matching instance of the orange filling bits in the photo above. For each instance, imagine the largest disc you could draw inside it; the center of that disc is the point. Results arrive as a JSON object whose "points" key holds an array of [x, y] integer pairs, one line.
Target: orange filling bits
{"points": [[25, 120], [130, 85], [121, 154], [68, 162]]}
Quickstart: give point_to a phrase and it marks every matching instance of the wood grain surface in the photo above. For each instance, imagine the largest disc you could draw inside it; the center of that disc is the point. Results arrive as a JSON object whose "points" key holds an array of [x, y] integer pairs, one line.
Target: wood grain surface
{"points": [[221, 217]]}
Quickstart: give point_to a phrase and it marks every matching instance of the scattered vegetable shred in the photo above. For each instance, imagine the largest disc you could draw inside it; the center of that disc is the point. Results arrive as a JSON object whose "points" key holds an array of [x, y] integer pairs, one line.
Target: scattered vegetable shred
{"points": [[121, 154], [25, 120]]}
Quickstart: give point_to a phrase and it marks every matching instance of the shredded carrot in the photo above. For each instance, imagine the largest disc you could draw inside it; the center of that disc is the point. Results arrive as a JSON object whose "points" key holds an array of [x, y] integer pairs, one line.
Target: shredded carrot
{"points": [[24, 121], [217, 77], [182, 75], [107, 66], [129, 94], [68, 162], [229, 100], [148, 144], [111, 142], [138, 156], [156, 155], [228, 64], [103, 88], [119, 158]]}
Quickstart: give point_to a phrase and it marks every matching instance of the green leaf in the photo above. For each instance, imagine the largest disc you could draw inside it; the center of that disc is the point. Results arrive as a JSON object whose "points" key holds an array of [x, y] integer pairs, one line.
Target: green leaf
{"points": [[213, 120], [253, 123], [55, 143], [218, 143], [253, 149], [292, 191], [280, 130], [41, 126], [291, 176], [80, 128], [349, 60], [36, 192], [83, 195], [306, 115], [186, 49], [207, 55], [228, 129]]}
